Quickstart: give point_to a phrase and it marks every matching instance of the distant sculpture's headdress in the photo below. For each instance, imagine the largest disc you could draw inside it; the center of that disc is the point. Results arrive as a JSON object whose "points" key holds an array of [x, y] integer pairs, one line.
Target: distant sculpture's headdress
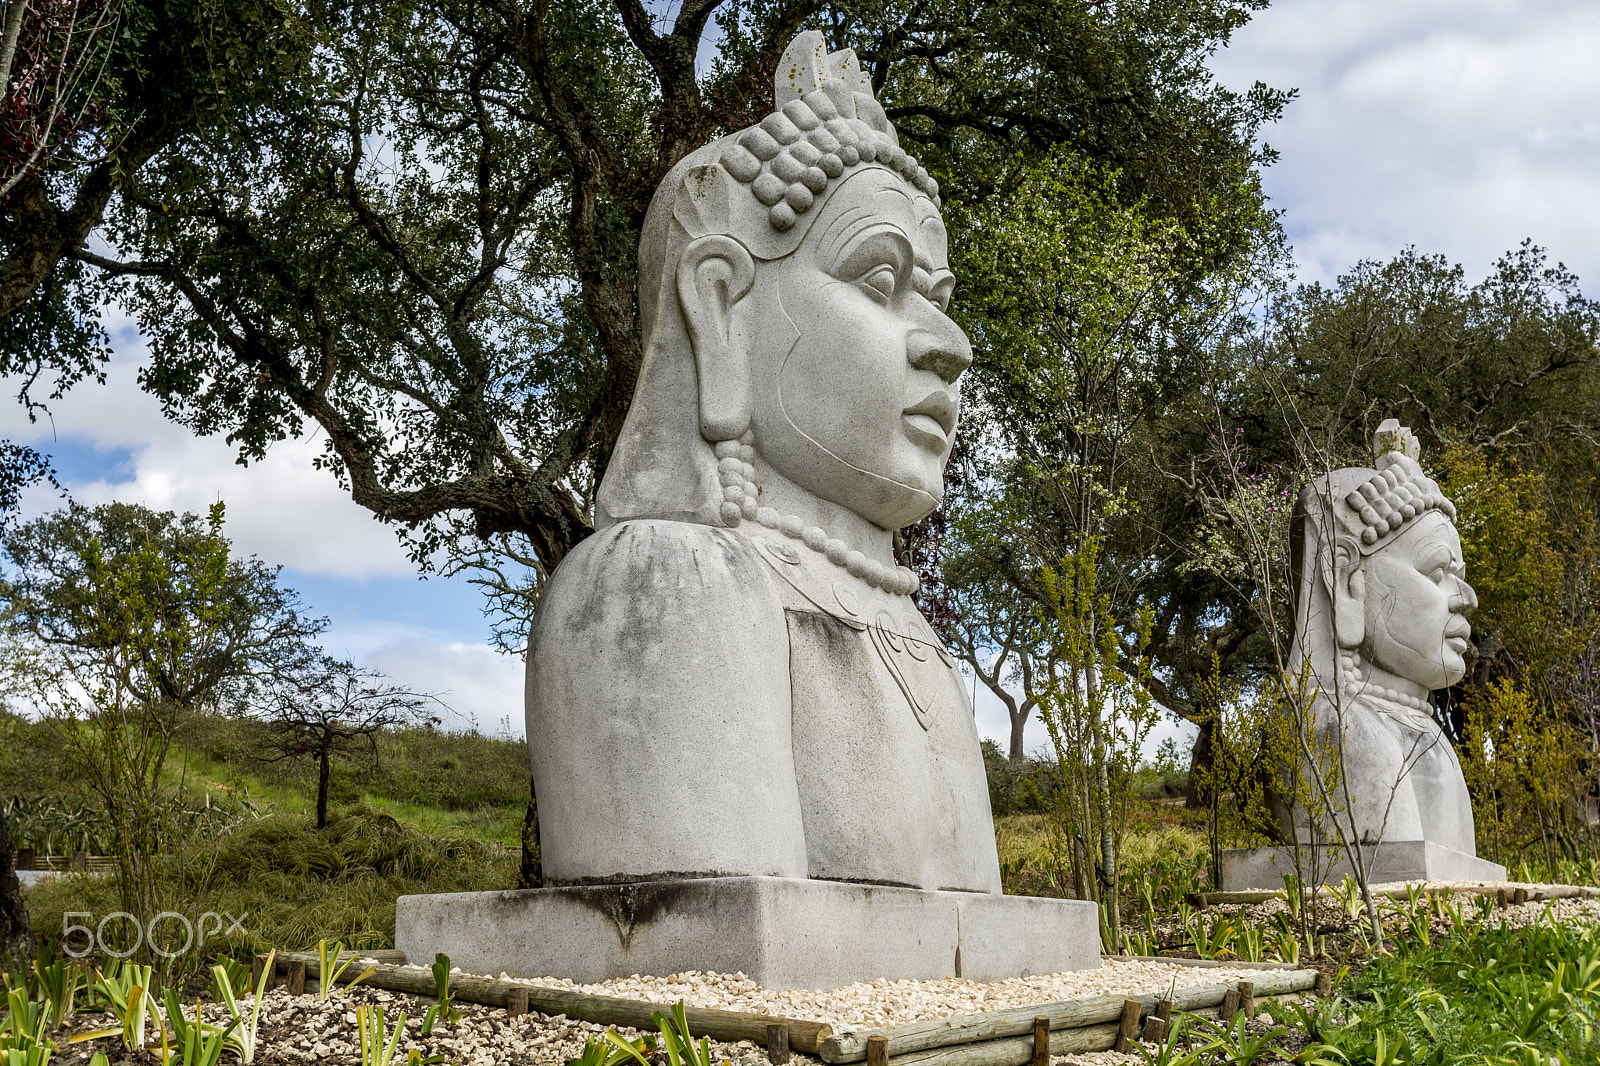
{"points": [[1396, 493], [1343, 516]]}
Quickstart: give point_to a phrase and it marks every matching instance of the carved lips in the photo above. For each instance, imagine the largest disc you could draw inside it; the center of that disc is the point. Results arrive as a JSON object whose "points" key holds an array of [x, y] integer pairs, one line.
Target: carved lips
{"points": [[931, 420]]}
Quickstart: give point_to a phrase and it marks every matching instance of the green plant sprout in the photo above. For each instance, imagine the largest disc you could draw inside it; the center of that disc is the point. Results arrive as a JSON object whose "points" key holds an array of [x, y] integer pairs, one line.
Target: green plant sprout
{"points": [[376, 1048], [330, 968], [444, 1011], [1348, 893], [1251, 943], [237, 972], [241, 1036], [676, 1043], [125, 989], [197, 1043], [26, 1022], [58, 981]]}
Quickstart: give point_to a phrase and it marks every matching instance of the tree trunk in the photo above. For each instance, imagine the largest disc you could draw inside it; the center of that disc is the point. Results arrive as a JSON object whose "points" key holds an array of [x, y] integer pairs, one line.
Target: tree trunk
{"points": [[1019, 719], [1108, 837], [1202, 756], [322, 787], [531, 872], [1019, 714], [16, 937]]}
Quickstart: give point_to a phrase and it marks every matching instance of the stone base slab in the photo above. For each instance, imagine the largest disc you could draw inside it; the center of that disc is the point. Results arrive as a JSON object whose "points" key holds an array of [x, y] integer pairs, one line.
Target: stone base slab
{"points": [[779, 932], [1395, 860]]}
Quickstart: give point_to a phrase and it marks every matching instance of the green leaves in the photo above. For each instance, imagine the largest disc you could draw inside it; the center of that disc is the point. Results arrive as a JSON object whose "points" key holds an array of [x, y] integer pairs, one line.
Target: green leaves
{"points": [[330, 968], [378, 1046], [197, 1043], [443, 1011], [676, 1044], [1491, 996], [240, 1036]]}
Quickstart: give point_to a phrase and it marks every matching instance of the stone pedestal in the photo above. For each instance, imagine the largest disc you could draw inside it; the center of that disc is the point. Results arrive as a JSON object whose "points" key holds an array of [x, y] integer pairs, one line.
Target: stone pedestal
{"points": [[779, 932], [1395, 860]]}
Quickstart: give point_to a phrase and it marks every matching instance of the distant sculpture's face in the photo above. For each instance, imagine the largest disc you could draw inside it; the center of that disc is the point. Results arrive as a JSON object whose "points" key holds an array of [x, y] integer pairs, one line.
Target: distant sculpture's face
{"points": [[862, 408], [1416, 601]]}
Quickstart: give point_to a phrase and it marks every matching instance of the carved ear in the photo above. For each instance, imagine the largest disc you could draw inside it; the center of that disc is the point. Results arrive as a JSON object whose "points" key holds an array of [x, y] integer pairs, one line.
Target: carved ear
{"points": [[714, 274], [1350, 607]]}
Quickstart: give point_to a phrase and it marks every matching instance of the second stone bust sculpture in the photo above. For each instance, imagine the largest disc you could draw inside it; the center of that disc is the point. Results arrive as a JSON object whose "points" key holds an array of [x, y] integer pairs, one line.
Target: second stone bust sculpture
{"points": [[1382, 599], [730, 677]]}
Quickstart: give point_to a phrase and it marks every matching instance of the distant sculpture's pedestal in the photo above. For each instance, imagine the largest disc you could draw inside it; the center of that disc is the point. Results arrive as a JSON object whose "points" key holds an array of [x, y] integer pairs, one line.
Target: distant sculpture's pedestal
{"points": [[779, 932], [1396, 860]]}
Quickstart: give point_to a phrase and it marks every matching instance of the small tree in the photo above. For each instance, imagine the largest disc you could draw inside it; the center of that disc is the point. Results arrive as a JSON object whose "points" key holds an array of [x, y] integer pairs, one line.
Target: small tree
{"points": [[331, 710], [1098, 711], [146, 626], [80, 578], [131, 622]]}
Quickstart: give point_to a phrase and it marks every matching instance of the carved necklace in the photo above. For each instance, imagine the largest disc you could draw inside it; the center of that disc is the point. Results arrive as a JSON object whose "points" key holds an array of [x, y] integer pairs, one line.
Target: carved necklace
{"points": [[1354, 686], [736, 470]]}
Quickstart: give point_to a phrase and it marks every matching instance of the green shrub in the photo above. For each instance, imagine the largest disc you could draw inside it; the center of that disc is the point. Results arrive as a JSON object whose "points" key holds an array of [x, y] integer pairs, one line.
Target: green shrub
{"points": [[1013, 789]]}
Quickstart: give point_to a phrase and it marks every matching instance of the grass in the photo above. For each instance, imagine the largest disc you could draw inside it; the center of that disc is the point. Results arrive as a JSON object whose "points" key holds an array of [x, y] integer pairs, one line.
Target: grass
{"points": [[439, 782], [298, 885], [1169, 858], [1487, 995]]}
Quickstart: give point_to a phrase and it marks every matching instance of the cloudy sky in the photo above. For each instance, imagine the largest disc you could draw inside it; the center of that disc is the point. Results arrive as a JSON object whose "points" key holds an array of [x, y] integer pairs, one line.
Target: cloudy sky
{"points": [[1460, 126]]}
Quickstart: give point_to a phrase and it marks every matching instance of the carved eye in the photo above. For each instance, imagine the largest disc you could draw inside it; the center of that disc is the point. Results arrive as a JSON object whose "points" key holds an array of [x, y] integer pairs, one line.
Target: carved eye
{"points": [[880, 282], [935, 292]]}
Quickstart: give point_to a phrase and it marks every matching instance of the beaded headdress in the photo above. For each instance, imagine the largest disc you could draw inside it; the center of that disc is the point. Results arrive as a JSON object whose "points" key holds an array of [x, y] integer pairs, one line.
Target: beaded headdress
{"points": [[827, 121], [1397, 493]]}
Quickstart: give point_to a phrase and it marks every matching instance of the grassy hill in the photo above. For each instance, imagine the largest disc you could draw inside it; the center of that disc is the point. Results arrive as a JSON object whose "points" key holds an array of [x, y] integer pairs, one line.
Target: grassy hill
{"points": [[433, 780]]}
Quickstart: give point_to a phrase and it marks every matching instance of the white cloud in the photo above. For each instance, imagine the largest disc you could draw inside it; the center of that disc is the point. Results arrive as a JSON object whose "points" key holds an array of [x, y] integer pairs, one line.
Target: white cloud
{"points": [[481, 687], [1459, 127], [279, 509]]}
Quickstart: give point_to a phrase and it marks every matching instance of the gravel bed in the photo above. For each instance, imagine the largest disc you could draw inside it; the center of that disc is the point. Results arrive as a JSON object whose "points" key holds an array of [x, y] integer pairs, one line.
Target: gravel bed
{"points": [[883, 1003]]}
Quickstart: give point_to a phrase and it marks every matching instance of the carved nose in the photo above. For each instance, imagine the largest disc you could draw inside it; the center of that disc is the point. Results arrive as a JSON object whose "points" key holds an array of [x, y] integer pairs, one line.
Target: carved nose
{"points": [[941, 348], [1465, 599]]}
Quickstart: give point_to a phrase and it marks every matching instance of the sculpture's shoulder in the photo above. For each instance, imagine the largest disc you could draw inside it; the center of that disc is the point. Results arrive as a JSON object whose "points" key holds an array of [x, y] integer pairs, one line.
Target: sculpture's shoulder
{"points": [[652, 575]]}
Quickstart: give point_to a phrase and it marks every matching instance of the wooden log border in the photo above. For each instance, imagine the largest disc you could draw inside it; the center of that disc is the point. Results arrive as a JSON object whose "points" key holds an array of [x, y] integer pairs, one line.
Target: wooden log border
{"points": [[728, 1026]]}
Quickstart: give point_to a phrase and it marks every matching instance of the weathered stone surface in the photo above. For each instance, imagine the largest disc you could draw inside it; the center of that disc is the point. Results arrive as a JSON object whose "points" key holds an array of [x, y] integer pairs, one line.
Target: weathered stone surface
{"points": [[730, 677], [1381, 625], [780, 932], [1400, 860]]}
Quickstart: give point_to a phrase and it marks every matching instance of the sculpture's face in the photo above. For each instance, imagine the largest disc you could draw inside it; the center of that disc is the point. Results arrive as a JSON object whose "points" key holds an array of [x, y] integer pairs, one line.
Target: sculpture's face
{"points": [[1416, 601], [862, 408]]}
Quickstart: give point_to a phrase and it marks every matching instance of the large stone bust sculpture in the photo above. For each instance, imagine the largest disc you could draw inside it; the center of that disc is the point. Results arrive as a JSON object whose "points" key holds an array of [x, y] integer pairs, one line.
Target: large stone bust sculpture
{"points": [[1382, 598], [730, 676]]}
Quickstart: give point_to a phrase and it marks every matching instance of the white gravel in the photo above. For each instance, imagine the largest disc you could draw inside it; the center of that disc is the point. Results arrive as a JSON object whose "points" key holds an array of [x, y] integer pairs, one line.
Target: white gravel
{"points": [[883, 1003]]}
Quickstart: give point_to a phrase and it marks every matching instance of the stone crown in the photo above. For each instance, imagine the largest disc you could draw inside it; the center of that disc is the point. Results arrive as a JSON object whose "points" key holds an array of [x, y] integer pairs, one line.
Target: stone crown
{"points": [[829, 123], [1399, 491]]}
